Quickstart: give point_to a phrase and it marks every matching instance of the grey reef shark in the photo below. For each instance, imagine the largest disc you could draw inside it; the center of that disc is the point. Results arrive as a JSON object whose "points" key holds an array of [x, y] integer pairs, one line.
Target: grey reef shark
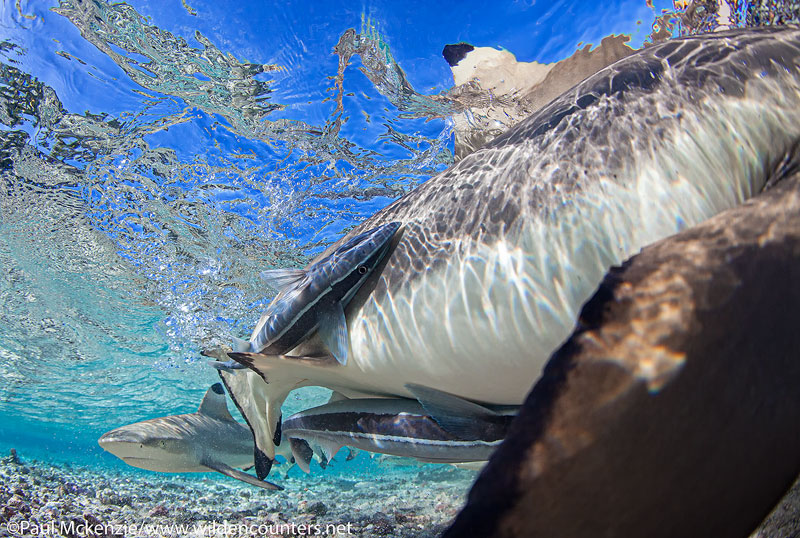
{"points": [[498, 253], [208, 440]]}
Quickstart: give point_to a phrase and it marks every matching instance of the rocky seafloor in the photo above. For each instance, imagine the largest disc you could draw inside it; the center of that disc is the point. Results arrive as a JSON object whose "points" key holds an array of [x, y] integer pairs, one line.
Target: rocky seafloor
{"points": [[41, 499]]}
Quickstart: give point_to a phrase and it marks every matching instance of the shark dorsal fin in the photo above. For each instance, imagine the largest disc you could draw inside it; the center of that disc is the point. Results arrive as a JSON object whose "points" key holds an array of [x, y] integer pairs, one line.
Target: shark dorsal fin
{"points": [[213, 404], [456, 415]]}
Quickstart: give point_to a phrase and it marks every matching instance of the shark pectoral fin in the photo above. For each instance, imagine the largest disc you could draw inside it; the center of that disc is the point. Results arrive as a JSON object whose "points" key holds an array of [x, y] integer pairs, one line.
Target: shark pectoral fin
{"points": [[302, 454], [256, 401], [329, 449], [260, 402], [227, 366], [281, 278], [239, 475], [337, 397], [333, 332], [458, 416]]}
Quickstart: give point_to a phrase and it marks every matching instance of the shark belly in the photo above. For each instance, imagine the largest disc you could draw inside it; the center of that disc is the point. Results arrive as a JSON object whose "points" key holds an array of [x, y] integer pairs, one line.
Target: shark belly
{"points": [[499, 252], [483, 324]]}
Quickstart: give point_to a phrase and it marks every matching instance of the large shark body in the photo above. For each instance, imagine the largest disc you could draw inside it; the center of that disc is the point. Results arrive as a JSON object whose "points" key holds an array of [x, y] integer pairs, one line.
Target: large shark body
{"points": [[499, 252]]}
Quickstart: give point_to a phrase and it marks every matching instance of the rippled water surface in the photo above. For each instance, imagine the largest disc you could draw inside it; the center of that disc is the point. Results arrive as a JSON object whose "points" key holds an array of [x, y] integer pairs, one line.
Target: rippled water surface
{"points": [[157, 156]]}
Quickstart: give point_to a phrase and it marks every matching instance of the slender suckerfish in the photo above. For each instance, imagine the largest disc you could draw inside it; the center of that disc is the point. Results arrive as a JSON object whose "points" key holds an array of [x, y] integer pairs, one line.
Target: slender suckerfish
{"points": [[314, 298], [436, 428]]}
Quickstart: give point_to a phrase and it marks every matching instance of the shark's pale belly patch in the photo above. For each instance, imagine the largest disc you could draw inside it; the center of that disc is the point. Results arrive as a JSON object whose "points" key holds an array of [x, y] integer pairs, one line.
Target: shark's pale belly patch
{"points": [[501, 304], [499, 252]]}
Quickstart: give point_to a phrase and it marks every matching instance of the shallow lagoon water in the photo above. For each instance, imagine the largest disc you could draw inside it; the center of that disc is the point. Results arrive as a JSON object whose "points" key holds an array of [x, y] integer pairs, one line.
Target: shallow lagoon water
{"points": [[156, 156]]}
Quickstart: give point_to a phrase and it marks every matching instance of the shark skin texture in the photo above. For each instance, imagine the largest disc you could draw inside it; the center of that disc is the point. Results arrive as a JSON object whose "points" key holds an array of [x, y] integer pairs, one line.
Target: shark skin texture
{"points": [[672, 410]]}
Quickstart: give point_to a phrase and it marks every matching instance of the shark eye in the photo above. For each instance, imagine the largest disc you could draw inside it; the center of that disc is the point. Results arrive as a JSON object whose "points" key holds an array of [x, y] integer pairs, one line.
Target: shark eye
{"points": [[362, 269]]}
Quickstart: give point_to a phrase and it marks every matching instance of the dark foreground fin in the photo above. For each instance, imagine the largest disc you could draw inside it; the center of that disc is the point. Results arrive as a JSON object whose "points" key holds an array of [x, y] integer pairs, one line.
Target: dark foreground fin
{"points": [[239, 475], [263, 463]]}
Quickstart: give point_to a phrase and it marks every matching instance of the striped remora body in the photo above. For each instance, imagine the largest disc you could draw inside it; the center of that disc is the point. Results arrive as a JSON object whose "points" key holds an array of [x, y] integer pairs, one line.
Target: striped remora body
{"points": [[315, 298], [208, 440], [499, 252], [426, 430]]}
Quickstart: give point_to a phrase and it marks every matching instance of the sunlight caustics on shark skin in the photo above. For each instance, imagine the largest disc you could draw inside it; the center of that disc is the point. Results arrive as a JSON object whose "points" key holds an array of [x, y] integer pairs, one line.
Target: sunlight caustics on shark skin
{"points": [[672, 408], [499, 252], [208, 440]]}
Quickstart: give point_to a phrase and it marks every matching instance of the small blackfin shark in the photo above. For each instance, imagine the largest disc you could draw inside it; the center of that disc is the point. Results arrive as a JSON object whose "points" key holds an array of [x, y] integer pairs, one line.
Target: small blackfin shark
{"points": [[436, 428], [499, 252], [314, 298], [208, 440]]}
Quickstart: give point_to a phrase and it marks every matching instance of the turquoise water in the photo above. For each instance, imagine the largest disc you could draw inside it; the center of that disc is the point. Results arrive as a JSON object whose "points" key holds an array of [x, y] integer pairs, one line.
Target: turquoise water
{"points": [[157, 156]]}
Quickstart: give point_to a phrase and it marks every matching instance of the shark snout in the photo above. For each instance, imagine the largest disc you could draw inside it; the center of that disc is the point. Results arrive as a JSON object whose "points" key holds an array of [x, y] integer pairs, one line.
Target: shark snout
{"points": [[115, 439]]}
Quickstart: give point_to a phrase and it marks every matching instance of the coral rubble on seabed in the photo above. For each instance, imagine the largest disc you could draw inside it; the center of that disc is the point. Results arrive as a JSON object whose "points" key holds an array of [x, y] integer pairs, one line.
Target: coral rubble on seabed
{"points": [[409, 502]]}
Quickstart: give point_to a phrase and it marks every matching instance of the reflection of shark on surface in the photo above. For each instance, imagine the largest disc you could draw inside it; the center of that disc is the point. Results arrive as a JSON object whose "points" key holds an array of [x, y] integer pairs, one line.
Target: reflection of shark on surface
{"points": [[208, 440]]}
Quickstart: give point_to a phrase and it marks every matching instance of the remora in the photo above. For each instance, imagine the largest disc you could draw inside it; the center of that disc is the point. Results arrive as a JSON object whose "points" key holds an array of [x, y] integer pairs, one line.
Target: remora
{"points": [[314, 298], [436, 428]]}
